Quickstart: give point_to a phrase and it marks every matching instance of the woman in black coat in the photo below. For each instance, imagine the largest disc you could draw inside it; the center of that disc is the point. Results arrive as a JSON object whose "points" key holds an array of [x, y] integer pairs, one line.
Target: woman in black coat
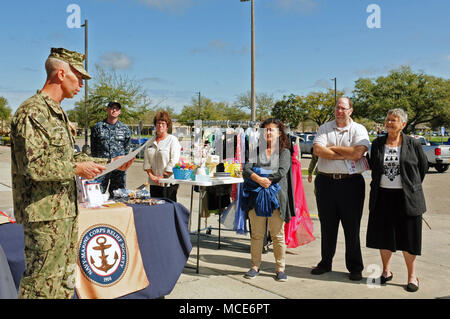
{"points": [[397, 201]]}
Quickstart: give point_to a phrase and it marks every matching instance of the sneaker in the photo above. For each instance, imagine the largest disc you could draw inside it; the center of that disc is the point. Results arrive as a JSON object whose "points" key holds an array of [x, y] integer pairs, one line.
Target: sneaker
{"points": [[281, 276], [252, 273]]}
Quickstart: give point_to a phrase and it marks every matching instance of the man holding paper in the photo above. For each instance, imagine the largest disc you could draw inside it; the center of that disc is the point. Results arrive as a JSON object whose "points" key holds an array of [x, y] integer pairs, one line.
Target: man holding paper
{"points": [[340, 189], [43, 169]]}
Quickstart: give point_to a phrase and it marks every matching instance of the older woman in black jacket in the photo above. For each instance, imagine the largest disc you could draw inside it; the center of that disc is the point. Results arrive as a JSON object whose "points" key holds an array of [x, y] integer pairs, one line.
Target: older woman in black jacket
{"points": [[397, 201]]}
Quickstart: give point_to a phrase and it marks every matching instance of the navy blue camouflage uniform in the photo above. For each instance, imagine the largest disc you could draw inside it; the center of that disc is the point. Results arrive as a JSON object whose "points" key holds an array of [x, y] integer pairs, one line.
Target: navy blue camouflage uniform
{"points": [[110, 141]]}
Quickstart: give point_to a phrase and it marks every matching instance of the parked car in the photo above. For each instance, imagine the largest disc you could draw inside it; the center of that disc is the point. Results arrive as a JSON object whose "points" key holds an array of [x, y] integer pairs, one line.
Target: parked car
{"points": [[136, 142], [306, 142], [438, 155]]}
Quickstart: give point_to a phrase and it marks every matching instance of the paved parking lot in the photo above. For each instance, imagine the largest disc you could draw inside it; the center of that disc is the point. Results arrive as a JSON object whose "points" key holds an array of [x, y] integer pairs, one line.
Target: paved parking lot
{"points": [[221, 270]]}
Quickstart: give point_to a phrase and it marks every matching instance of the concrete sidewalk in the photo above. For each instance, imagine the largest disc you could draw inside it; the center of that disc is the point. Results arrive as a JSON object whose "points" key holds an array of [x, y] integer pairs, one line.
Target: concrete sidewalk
{"points": [[222, 270]]}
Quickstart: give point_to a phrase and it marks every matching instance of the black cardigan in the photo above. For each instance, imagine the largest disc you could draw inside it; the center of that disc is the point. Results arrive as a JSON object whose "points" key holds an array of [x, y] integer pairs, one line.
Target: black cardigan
{"points": [[283, 176], [413, 167]]}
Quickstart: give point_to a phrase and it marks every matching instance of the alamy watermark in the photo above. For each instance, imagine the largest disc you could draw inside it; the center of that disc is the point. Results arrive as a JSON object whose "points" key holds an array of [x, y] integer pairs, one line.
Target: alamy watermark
{"points": [[74, 19], [373, 280], [374, 19]]}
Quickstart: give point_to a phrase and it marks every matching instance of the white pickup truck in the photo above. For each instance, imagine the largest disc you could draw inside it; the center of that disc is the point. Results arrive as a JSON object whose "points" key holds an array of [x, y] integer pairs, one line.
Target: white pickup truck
{"points": [[438, 155]]}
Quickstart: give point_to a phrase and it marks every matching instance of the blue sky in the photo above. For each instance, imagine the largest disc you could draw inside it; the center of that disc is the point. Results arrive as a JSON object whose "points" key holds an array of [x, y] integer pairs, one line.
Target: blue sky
{"points": [[176, 48]]}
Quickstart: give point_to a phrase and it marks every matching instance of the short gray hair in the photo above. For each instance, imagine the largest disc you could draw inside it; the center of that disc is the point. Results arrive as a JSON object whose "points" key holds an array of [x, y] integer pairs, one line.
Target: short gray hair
{"points": [[52, 65], [400, 113]]}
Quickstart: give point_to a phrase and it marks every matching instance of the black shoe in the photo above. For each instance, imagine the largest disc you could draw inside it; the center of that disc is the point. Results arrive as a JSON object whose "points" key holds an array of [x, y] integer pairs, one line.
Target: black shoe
{"points": [[319, 270], [383, 279], [411, 287], [355, 276]]}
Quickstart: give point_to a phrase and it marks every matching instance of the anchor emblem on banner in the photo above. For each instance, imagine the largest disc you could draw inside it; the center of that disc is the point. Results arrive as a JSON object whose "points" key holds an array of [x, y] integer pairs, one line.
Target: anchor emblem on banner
{"points": [[104, 258]]}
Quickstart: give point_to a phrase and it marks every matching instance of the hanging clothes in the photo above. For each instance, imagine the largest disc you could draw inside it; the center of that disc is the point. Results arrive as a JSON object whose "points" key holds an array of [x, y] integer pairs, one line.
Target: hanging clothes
{"points": [[299, 230], [234, 217], [237, 159]]}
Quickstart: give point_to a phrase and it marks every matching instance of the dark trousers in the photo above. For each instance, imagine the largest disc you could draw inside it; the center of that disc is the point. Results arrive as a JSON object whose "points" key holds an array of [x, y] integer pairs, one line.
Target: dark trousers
{"points": [[340, 201], [116, 180], [158, 192]]}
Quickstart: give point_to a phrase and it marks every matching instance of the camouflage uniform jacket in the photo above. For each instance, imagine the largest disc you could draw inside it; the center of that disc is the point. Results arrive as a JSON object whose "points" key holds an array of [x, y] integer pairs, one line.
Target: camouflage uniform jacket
{"points": [[43, 161], [110, 140]]}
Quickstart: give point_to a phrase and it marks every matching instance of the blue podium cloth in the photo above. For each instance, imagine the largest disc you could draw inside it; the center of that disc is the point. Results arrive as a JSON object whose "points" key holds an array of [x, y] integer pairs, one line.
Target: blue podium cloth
{"points": [[7, 286], [165, 245], [163, 238], [12, 242]]}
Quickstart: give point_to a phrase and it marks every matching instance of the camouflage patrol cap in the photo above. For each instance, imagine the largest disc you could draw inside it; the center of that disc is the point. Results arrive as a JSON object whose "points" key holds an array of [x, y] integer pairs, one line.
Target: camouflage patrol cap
{"points": [[75, 59]]}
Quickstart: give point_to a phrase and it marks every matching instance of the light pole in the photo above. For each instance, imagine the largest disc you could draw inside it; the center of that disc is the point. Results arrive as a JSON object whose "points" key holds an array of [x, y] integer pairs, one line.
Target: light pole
{"points": [[85, 146], [252, 103], [199, 105], [335, 96]]}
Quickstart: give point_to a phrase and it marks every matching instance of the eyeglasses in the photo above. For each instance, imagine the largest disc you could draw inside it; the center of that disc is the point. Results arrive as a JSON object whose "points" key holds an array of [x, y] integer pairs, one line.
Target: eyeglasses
{"points": [[392, 120], [161, 123], [342, 108]]}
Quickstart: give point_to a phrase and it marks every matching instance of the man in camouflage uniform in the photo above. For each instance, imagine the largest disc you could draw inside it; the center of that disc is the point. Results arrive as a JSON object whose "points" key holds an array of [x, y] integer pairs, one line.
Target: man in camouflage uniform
{"points": [[111, 138], [43, 169]]}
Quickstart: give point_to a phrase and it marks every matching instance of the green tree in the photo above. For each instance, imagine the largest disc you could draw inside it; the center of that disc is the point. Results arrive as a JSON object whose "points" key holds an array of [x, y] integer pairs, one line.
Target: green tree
{"points": [[5, 114], [263, 104], [320, 105], [291, 110], [211, 111], [108, 86], [148, 116], [232, 113], [5, 110], [425, 98]]}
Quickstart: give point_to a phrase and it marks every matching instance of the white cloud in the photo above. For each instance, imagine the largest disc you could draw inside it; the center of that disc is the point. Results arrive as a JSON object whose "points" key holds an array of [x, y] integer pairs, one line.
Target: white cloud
{"points": [[447, 57], [172, 6], [323, 84], [155, 79], [222, 47], [295, 6], [116, 60]]}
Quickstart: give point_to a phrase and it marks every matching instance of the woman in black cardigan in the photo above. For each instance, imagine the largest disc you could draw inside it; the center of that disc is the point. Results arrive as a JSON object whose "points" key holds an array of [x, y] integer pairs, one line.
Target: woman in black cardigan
{"points": [[397, 201], [271, 175]]}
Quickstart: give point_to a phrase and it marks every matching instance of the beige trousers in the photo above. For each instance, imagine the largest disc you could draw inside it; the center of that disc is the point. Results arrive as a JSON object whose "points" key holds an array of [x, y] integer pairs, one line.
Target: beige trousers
{"points": [[276, 228]]}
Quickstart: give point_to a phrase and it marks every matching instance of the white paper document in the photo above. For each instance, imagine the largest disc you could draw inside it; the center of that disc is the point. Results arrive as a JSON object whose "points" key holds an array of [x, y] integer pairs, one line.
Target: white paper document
{"points": [[116, 164], [357, 167]]}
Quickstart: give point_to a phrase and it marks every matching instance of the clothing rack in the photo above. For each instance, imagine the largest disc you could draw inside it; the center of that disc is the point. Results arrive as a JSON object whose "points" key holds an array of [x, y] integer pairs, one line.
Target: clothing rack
{"points": [[228, 123]]}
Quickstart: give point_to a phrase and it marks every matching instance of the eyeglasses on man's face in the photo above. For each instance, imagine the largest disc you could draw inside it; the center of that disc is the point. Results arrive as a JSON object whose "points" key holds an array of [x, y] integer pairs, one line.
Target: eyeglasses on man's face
{"points": [[343, 109]]}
